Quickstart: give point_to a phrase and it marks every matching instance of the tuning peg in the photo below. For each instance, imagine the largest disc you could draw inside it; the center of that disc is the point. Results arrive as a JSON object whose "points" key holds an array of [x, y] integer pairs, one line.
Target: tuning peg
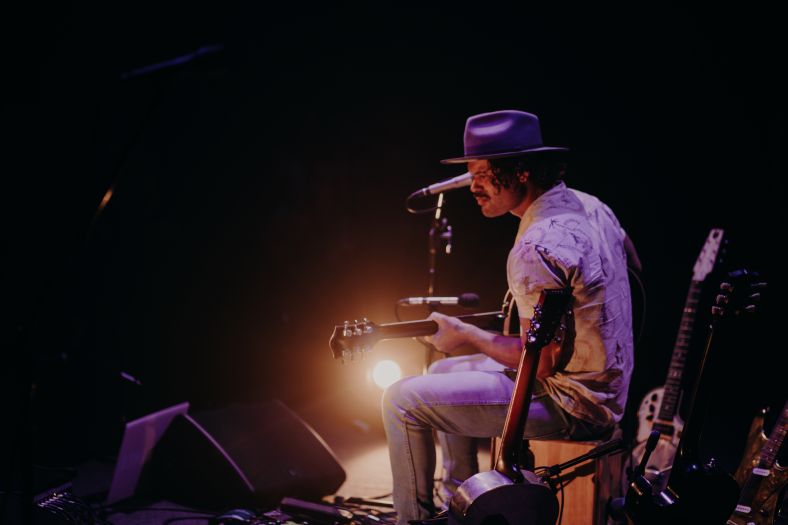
{"points": [[750, 309], [726, 287], [722, 299], [756, 297], [347, 355], [716, 310], [346, 332]]}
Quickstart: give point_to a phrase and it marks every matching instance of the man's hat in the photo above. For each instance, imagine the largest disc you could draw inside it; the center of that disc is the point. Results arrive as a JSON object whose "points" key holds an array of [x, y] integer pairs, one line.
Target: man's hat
{"points": [[500, 134]]}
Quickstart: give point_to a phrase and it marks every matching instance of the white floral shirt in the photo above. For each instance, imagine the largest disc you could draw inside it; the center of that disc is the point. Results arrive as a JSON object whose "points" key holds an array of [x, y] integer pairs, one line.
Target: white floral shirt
{"points": [[569, 238]]}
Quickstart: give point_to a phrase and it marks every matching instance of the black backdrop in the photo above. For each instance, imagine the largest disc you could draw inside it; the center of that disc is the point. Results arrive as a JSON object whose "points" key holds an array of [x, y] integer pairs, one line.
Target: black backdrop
{"points": [[259, 188]]}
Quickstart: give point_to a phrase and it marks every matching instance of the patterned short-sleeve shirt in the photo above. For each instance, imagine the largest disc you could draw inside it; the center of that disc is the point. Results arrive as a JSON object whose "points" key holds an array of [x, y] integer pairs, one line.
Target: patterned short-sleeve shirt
{"points": [[569, 238]]}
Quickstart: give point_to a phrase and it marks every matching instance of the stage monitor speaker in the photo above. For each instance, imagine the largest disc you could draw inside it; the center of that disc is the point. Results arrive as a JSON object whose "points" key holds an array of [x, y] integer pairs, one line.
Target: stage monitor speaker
{"points": [[240, 455]]}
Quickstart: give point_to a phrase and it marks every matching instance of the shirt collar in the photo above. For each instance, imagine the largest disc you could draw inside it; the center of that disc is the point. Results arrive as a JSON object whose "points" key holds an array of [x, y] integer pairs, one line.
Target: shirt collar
{"points": [[535, 211]]}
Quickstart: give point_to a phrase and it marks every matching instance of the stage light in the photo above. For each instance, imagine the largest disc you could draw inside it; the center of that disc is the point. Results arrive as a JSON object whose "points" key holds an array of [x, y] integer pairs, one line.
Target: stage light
{"points": [[385, 373]]}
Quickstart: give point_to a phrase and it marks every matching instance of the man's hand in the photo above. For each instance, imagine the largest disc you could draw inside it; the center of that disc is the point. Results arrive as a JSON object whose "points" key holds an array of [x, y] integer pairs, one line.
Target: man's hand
{"points": [[452, 333]]}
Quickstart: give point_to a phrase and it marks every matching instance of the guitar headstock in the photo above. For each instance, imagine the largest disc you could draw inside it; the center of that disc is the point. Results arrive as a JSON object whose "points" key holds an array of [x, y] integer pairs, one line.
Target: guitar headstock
{"points": [[739, 293], [349, 340], [711, 254], [552, 305]]}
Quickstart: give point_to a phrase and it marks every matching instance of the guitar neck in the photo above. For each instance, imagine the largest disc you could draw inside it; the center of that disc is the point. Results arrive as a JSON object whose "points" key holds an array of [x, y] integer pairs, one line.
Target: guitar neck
{"points": [[670, 399], [690, 437], [772, 447], [517, 416], [485, 321]]}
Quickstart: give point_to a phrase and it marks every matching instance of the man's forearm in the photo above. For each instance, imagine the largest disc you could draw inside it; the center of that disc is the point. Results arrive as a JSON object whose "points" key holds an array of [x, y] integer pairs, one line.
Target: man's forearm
{"points": [[504, 349]]}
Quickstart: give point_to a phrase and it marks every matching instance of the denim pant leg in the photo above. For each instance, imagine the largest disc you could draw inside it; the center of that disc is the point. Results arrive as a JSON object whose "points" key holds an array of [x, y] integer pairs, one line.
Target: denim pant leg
{"points": [[470, 404], [459, 453]]}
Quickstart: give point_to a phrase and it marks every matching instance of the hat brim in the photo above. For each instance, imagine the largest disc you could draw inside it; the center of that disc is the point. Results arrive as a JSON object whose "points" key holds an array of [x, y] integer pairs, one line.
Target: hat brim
{"points": [[543, 149]]}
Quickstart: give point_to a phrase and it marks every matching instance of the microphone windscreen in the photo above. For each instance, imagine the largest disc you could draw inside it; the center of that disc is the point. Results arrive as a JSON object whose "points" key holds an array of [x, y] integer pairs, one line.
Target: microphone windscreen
{"points": [[468, 300]]}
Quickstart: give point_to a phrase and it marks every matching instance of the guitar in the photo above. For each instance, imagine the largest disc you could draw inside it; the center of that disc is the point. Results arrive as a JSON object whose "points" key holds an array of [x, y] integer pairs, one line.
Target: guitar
{"points": [[507, 494], [349, 340], [696, 492], [659, 408], [759, 474]]}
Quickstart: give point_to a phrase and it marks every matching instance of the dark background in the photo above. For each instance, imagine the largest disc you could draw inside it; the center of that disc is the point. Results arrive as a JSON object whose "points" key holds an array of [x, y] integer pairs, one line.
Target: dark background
{"points": [[258, 190]]}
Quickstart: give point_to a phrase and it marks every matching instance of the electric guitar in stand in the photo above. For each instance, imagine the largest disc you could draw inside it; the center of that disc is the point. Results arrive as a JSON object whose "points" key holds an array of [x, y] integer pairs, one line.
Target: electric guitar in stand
{"points": [[760, 476], [659, 408], [697, 492]]}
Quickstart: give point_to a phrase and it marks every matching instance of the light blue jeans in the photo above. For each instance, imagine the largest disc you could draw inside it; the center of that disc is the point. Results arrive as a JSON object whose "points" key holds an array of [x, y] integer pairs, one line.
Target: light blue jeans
{"points": [[463, 398]]}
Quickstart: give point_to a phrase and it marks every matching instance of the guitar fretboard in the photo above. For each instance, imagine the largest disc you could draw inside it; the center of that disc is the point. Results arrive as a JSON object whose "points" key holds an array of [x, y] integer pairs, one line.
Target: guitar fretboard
{"points": [[670, 398], [776, 438]]}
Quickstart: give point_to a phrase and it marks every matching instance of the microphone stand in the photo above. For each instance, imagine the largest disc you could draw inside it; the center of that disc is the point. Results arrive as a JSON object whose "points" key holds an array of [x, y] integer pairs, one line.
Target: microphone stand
{"points": [[440, 233]]}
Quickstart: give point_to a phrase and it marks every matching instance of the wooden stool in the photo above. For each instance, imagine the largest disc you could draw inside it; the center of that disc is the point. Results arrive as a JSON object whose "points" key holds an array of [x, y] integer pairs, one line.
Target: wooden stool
{"points": [[588, 487]]}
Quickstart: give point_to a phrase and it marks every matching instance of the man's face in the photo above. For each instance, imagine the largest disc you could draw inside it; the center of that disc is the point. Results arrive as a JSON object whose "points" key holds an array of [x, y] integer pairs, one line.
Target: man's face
{"points": [[493, 200]]}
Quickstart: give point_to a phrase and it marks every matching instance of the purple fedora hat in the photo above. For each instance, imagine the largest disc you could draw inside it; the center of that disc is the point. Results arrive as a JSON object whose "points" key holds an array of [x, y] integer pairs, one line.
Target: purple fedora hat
{"points": [[499, 134]]}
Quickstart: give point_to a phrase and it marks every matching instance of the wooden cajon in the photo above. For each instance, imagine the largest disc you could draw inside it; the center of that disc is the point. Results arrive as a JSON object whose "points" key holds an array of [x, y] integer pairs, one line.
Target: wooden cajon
{"points": [[588, 487]]}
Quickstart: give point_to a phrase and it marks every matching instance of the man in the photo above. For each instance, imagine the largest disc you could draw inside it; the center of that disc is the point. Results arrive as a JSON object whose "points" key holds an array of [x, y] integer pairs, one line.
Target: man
{"points": [[565, 238]]}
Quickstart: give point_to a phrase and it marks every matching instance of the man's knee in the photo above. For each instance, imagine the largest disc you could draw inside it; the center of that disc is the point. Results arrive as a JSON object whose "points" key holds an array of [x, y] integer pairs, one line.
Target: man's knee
{"points": [[400, 397], [441, 366]]}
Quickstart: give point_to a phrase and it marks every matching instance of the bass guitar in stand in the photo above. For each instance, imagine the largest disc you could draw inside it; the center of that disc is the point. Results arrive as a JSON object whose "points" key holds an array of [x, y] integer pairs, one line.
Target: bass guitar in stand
{"points": [[659, 408], [761, 477], [697, 492], [508, 494]]}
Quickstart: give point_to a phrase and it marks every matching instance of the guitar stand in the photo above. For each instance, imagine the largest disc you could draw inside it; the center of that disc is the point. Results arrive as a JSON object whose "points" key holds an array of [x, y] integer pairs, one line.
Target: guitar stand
{"points": [[610, 447]]}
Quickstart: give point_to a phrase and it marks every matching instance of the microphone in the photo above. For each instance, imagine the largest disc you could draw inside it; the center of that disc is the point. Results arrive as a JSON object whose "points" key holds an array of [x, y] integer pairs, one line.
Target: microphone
{"points": [[460, 181], [651, 444], [465, 300]]}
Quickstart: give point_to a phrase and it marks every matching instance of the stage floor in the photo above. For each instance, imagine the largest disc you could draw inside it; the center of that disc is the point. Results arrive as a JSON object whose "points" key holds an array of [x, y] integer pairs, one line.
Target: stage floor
{"points": [[359, 445]]}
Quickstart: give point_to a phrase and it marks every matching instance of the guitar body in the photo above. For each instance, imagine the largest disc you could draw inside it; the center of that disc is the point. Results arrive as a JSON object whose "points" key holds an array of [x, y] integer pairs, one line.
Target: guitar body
{"points": [[764, 504], [647, 413], [490, 498], [661, 460], [705, 496], [760, 495], [709, 495]]}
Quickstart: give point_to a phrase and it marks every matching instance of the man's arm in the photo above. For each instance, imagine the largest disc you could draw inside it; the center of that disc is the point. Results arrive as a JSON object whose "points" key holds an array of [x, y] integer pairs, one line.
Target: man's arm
{"points": [[453, 334]]}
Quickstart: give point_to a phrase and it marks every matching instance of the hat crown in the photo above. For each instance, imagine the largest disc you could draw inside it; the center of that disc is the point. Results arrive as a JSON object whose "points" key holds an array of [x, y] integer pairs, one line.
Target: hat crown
{"points": [[501, 131], [499, 134]]}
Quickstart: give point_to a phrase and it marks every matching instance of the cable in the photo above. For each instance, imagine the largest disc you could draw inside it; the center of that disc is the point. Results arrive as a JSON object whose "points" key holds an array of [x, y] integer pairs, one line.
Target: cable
{"points": [[561, 512], [417, 211], [642, 288], [111, 509], [182, 518]]}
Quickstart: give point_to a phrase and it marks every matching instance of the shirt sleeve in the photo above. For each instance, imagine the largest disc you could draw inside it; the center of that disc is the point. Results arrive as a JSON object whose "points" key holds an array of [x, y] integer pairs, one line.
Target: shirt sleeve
{"points": [[533, 267]]}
